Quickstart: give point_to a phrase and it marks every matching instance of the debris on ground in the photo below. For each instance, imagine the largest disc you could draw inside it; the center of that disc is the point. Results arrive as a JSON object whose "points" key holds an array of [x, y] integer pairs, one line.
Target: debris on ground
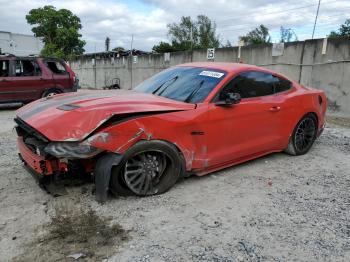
{"points": [[71, 229]]}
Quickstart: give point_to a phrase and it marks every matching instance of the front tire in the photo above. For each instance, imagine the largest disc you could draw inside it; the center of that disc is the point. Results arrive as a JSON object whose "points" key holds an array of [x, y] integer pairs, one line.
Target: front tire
{"points": [[303, 136], [147, 168]]}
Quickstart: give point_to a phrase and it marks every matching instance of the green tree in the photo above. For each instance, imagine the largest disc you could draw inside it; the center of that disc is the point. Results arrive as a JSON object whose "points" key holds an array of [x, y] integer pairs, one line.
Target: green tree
{"points": [[259, 35], [118, 49], [107, 43], [207, 37], [59, 30], [189, 34], [287, 35], [163, 47], [343, 31], [228, 44], [183, 35]]}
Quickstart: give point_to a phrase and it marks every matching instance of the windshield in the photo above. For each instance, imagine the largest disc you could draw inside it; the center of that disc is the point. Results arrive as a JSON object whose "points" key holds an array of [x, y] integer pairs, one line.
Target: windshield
{"points": [[186, 84]]}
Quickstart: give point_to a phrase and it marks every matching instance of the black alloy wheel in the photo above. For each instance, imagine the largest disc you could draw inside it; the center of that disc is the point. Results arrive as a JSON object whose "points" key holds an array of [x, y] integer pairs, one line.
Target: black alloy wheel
{"points": [[148, 168], [143, 172], [305, 134]]}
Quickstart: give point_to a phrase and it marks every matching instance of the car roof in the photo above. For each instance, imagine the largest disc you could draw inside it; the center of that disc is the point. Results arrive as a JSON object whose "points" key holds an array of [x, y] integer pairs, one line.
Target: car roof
{"points": [[11, 56], [228, 67], [233, 67]]}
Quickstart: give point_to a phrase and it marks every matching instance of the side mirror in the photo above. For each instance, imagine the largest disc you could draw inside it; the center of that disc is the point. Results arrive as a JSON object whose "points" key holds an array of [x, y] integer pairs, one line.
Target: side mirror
{"points": [[229, 99]]}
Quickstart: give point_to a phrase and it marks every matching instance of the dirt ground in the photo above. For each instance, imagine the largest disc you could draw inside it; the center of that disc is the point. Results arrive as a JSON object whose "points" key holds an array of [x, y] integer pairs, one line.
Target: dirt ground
{"points": [[276, 208]]}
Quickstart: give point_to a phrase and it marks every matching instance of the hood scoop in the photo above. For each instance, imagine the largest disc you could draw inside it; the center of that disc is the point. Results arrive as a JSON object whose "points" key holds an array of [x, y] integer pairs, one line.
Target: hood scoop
{"points": [[68, 107]]}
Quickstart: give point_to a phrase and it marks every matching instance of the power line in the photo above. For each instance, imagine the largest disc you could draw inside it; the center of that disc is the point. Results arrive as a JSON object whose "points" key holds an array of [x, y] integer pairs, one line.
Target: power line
{"points": [[278, 12]]}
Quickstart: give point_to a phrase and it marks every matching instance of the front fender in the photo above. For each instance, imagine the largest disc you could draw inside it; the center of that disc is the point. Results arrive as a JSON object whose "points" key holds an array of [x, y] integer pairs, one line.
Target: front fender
{"points": [[119, 138]]}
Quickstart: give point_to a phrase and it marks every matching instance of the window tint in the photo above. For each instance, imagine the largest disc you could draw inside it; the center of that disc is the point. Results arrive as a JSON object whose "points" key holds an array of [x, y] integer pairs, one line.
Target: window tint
{"points": [[4, 68], [56, 67], [282, 85], [251, 84], [187, 84], [27, 68]]}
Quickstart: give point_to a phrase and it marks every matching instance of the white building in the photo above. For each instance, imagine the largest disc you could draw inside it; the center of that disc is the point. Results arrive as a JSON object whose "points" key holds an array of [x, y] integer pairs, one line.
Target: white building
{"points": [[20, 44]]}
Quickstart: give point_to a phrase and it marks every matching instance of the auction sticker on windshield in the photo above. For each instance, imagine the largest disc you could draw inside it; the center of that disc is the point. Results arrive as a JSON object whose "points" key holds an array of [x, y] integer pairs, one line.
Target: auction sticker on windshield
{"points": [[211, 74]]}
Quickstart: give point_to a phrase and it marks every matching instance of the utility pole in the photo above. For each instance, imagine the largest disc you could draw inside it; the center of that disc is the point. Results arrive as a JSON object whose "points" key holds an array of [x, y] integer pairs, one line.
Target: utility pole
{"points": [[318, 9], [131, 58]]}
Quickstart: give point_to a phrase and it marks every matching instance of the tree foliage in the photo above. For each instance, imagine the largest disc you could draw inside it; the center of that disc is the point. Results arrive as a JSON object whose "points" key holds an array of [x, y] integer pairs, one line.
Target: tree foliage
{"points": [[118, 49], [107, 43], [259, 35], [164, 47], [189, 34], [343, 31], [287, 35], [59, 30]]}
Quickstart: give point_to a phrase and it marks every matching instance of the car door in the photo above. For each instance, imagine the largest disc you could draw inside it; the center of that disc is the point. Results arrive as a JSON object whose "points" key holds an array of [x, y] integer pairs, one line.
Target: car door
{"points": [[61, 76], [29, 83], [5, 81], [248, 128]]}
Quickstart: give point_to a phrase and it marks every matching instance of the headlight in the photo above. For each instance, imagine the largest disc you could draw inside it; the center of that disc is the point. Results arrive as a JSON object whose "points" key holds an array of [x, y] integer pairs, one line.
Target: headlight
{"points": [[71, 150]]}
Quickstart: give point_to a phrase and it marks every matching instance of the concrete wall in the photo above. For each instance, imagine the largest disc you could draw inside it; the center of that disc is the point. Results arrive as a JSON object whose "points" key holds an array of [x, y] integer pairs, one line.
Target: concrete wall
{"points": [[301, 61], [20, 44]]}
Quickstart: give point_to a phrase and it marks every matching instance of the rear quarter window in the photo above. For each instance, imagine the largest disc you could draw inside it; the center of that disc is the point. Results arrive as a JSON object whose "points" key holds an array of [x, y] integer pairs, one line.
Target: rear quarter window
{"points": [[282, 85], [56, 67]]}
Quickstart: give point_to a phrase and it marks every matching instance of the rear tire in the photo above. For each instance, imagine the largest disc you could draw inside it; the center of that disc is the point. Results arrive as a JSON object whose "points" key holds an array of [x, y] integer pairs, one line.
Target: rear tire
{"points": [[51, 92], [303, 136], [147, 168]]}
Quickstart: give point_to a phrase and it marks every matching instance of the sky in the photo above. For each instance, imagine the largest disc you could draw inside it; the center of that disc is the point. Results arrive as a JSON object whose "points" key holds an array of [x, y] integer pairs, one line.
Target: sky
{"points": [[147, 19]]}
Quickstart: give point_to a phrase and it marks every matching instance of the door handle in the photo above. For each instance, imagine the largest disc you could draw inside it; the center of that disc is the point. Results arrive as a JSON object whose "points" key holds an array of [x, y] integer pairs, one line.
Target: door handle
{"points": [[275, 109]]}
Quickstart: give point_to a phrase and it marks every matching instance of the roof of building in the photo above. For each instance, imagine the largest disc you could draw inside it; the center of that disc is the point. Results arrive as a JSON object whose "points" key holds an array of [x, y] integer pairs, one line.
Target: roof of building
{"points": [[229, 67]]}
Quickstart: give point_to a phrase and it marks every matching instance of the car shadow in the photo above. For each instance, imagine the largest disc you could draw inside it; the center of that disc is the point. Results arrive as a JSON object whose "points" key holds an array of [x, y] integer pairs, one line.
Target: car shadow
{"points": [[10, 106], [265, 158]]}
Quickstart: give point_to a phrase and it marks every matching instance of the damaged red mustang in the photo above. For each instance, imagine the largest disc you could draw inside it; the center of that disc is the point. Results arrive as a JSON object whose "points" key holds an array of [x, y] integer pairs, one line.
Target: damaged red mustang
{"points": [[194, 118]]}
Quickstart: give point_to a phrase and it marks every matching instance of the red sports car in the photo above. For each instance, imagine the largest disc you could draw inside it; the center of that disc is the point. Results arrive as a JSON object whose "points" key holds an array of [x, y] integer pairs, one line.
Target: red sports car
{"points": [[194, 118]]}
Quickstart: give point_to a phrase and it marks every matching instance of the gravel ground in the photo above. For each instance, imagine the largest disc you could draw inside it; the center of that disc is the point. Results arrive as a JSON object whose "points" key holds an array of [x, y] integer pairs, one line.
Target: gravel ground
{"points": [[276, 208]]}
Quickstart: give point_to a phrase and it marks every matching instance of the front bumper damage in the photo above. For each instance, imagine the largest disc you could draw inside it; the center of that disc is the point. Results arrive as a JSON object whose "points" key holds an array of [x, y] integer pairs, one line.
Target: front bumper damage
{"points": [[43, 170], [36, 162], [47, 171]]}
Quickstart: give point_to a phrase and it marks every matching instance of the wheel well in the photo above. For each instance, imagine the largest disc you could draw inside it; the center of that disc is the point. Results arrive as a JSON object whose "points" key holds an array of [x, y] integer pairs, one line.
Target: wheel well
{"points": [[309, 113], [313, 114], [51, 89]]}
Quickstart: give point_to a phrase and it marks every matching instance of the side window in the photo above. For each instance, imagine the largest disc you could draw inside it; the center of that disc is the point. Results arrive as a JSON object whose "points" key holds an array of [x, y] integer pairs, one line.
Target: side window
{"points": [[282, 85], [27, 68], [56, 67], [251, 84], [4, 68]]}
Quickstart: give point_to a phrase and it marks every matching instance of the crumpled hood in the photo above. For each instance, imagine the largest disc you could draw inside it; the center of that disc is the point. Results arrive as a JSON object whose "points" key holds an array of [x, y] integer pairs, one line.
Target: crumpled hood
{"points": [[73, 116]]}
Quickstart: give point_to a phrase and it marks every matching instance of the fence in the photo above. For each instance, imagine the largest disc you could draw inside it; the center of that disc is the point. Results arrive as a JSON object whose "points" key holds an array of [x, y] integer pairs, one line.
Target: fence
{"points": [[320, 63]]}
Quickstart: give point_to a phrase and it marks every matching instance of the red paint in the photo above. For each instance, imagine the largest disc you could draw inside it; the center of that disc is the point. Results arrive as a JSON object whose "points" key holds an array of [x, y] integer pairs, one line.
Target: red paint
{"points": [[35, 161], [210, 137]]}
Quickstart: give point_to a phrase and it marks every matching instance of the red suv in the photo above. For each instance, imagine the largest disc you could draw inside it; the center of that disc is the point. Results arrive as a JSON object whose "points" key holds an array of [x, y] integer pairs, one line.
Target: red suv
{"points": [[24, 79]]}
